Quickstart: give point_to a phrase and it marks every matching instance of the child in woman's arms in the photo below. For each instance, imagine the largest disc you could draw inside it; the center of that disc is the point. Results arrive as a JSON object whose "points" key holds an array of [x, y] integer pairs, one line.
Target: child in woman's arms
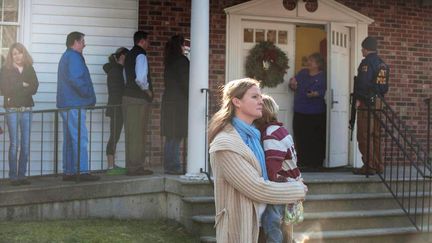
{"points": [[281, 163]]}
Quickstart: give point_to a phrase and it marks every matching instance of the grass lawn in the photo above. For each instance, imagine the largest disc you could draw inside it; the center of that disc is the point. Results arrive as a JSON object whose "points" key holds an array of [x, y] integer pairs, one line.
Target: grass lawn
{"points": [[94, 230]]}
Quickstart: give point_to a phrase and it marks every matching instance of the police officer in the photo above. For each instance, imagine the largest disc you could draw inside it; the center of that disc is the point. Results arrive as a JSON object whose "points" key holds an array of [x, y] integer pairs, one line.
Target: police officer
{"points": [[371, 80]]}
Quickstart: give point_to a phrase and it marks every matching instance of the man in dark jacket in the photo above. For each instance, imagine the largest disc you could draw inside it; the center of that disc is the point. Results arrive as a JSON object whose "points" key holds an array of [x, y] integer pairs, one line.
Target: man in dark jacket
{"points": [[137, 98], [372, 73], [75, 90]]}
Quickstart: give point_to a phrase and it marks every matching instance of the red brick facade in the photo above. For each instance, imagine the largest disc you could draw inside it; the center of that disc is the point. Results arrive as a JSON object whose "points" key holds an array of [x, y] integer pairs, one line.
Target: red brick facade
{"points": [[403, 28]]}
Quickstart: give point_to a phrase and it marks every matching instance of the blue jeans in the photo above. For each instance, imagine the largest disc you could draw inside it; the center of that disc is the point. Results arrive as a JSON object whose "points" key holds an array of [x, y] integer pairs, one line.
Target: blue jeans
{"points": [[18, 121], [70, 142], [271, 223], [172, 154]]}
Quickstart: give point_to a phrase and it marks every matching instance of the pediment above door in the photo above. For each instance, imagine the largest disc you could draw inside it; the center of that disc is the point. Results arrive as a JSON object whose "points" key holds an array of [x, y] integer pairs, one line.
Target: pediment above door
{"points": [[328, 10]]}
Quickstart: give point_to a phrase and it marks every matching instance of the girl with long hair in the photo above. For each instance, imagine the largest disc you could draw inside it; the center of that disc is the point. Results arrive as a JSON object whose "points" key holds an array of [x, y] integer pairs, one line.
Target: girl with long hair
{"points": [[18, 84], [174, 110]]}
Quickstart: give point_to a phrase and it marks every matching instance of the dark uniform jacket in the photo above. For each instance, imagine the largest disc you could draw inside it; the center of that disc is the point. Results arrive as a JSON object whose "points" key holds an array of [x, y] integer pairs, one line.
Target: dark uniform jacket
{"points": [[365, 85]]}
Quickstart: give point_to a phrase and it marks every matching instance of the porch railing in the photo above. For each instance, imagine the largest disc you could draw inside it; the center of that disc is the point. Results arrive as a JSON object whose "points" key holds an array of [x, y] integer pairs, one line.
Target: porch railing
{"points": [[206, 168], [46, 142], [407, 168]]}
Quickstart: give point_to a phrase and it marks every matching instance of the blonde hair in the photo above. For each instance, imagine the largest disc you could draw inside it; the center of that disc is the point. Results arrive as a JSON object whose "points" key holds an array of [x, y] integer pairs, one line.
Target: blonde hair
{"points": [[269, 111], [27, 59], [233, 89]]}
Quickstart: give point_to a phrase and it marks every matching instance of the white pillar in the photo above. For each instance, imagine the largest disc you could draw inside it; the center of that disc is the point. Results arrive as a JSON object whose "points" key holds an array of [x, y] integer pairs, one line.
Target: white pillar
{"points": [[199, 72]]}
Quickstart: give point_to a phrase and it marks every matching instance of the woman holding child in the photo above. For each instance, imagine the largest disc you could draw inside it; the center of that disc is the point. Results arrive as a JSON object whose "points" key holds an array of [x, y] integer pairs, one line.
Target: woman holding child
{"points": [[242, 188]]}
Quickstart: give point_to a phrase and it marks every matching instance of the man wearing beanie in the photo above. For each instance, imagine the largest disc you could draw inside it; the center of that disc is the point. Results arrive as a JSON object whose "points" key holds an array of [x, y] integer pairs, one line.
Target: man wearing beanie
{"points": [[371, 80]]}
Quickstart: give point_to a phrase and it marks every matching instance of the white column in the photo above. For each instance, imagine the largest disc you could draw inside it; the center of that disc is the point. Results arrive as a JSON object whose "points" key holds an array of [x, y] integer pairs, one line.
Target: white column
{"points": [[199, 72]]}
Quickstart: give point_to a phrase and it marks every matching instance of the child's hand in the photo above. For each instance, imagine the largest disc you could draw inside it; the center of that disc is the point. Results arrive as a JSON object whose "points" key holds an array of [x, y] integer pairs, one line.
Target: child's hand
{"points": [[300, 179], [305, 188], [280, 179], [293, 84]]}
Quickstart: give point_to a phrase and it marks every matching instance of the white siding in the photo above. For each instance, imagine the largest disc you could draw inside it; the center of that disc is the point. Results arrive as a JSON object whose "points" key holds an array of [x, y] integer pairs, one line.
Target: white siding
{"points": [[107, 24]]}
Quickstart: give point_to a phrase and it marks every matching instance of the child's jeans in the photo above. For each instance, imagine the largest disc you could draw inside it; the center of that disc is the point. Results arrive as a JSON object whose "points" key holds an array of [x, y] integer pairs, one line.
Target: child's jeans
{"points": [[271, 223]]}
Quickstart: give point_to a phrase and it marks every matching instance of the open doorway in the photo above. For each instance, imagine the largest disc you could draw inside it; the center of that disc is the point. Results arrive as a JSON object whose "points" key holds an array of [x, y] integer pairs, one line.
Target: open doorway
{"points": [[309, 39], [309, 113]]}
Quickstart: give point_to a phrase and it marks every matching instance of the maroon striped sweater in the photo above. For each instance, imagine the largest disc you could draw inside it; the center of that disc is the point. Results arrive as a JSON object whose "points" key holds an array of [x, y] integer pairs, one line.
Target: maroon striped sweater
{"points": [[280, 154]]}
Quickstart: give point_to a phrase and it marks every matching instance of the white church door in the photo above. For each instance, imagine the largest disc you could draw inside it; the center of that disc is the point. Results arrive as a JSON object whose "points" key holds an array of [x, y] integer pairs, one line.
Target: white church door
{"points": [[283, 36], [338, 84]]}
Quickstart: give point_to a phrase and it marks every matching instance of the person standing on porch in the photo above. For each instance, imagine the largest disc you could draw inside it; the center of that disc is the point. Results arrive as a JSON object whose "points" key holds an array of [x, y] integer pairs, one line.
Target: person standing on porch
{"points": [[242, 188], [75, 93], [115, 83], [137, 99], [174, 110], [18, 84], [372, 77], [309, 123]]}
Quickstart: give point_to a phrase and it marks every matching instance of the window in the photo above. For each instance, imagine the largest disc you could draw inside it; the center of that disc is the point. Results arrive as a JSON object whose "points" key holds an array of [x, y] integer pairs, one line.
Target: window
{"points": [[9, 25]]}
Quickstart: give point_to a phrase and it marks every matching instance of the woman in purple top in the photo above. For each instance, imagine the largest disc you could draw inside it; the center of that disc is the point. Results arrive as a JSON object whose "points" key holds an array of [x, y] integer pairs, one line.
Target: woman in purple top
{"points": [[309, 122]]}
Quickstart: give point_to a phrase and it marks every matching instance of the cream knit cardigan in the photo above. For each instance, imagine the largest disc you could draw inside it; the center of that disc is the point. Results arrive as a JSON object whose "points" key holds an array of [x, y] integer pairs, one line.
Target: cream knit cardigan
{"points": [[239, 188]]}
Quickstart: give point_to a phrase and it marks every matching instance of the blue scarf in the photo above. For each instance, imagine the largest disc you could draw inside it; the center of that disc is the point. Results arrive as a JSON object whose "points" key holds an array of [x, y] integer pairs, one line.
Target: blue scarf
{"points": [[252, 138]]}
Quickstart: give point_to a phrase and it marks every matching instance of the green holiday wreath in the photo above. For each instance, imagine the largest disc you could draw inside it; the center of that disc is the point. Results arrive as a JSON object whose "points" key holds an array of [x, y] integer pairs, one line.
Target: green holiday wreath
{"points": [[266, 63]]}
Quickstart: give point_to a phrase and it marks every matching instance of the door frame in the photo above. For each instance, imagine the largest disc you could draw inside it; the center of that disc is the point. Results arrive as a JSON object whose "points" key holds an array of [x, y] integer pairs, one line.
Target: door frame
{"points": [[358, 31]]}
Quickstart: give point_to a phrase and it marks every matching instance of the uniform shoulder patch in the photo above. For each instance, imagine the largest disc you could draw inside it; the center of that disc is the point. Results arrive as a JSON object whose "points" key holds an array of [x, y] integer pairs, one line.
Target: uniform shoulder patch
{"points": [[364, 68]]}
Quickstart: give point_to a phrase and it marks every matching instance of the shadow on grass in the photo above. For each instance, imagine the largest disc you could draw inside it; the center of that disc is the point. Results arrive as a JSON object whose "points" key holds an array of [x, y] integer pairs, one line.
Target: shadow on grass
{"points": [[94, 231]]}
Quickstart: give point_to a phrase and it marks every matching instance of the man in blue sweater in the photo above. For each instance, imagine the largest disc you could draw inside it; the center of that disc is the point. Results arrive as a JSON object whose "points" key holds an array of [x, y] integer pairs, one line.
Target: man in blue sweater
{"points": [[74, 93]]}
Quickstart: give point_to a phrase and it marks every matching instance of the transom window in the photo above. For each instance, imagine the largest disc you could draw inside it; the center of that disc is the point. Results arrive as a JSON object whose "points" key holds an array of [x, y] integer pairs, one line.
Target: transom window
{"points": [[251, 35]]}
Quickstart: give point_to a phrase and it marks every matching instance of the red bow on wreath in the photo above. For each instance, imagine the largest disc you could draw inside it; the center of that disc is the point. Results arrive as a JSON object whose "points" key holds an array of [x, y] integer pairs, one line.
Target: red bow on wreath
{"points": [[270, 55]]}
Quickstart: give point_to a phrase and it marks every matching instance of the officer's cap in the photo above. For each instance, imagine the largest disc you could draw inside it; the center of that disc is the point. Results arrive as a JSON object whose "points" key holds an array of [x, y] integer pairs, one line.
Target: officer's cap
{"points": [[369, 43]]}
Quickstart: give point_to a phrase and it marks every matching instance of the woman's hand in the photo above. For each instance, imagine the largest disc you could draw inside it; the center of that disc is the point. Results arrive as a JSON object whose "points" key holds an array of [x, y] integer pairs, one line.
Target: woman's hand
{"points": [[312, 94], [300, 179], [293, 84]]}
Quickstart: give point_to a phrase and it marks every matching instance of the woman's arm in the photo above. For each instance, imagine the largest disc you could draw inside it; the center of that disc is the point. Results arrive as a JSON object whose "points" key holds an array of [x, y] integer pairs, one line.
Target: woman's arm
{"points": [[9, 84], [242, 176], [30, 81]]}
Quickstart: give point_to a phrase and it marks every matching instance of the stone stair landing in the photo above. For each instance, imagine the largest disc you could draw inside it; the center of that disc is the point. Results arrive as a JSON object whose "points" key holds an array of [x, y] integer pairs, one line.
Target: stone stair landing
{"points": [[339, 207]]}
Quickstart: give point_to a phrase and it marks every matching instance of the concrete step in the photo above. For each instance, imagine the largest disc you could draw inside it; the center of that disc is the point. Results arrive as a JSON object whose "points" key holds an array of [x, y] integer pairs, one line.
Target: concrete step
{"points": [[325, 184], [364, 235], [200, 205], [204, 224], [346, 220], [359, 201], [189, 188], [346, 202], [370, 235], [208, 239], [337, 209]]}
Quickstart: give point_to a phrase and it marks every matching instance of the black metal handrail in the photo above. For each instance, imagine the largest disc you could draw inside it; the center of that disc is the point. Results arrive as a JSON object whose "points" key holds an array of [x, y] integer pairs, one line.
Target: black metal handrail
{"points": [[207, 168], [407, 169], [46, 141]]}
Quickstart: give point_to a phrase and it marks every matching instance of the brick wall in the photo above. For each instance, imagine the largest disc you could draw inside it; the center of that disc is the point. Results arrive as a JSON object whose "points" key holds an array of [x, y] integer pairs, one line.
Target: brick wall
{"points": [[403, 28], [162, 19], [404, 31]]}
